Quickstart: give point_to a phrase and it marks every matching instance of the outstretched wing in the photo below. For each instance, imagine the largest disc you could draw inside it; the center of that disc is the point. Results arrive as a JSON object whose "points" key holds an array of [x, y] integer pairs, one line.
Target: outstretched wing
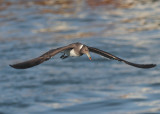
{"points": [[46, 56], [110, 56]]}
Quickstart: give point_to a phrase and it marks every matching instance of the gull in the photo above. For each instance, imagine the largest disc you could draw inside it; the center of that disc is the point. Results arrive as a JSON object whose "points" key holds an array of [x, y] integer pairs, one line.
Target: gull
{"points": [[74, 50]]}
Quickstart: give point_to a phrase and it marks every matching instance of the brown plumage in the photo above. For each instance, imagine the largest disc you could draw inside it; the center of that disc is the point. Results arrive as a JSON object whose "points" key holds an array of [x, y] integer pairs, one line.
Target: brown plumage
{"points": [[75, 49]]}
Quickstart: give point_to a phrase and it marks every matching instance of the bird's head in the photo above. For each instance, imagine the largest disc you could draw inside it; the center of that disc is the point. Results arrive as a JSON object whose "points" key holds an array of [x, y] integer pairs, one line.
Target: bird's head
{"points": [[85, 50]]}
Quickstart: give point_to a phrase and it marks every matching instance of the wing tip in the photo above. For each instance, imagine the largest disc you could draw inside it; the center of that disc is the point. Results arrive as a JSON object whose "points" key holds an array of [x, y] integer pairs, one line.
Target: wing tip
{"points": [[146, 66], [18, 66], [11, 66], [14, 66], [153, 65]]}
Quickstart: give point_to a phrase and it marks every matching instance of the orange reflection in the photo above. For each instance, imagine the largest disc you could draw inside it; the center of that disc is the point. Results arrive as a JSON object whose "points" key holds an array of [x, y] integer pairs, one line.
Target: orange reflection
{"points": [[114, 3], [65, 6]]}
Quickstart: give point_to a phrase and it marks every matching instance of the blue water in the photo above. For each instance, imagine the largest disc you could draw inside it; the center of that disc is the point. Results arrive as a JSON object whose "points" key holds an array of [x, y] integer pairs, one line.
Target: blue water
{"points": [[78, 85]]}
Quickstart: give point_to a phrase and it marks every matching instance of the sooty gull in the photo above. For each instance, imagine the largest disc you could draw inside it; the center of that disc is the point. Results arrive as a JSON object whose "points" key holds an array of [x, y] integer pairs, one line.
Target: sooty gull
{"points": [[74, 49]]}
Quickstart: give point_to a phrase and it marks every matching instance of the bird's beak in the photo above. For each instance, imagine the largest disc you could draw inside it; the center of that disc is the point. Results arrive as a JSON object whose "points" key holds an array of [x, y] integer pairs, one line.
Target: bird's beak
{"points": [[88, 56]]}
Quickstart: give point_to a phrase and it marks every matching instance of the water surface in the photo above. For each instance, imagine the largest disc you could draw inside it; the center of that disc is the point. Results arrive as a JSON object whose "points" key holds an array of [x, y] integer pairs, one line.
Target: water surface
{"points": [[130, 30]]}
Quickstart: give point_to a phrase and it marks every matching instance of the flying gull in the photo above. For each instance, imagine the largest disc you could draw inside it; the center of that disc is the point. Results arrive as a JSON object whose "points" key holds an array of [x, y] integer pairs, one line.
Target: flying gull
{"points": [[74, 49]]}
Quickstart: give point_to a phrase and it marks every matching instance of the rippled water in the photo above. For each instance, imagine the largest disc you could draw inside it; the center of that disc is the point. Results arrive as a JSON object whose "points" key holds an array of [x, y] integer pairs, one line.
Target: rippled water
{"points": [[130, 30]]}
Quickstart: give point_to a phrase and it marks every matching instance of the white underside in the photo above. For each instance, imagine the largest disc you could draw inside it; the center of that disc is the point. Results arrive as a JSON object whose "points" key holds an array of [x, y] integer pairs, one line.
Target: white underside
{"points": [[71, 53]]}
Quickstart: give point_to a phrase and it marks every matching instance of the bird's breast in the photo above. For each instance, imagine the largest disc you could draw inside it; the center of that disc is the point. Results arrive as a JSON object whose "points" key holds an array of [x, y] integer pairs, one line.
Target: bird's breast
{"points": [[73, 53]]}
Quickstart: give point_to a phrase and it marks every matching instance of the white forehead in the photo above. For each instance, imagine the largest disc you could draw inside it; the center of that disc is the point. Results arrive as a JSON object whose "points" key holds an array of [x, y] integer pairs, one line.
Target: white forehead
{"points": [[81, 47]]}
